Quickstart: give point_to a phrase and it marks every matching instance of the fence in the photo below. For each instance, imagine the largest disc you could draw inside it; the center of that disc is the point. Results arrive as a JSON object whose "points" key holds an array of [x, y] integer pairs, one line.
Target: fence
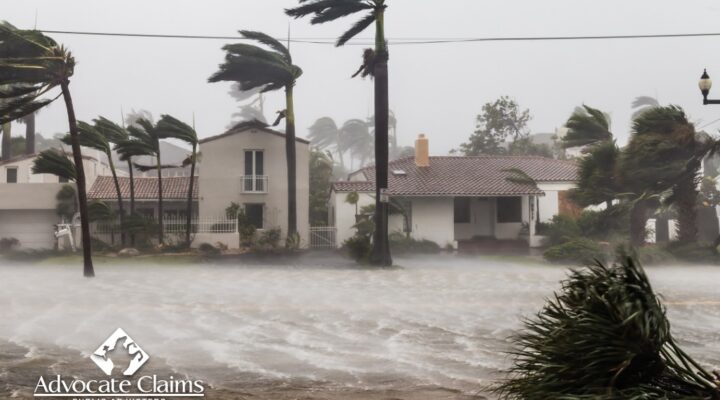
{"points": [[178, 225], [323, 237]]}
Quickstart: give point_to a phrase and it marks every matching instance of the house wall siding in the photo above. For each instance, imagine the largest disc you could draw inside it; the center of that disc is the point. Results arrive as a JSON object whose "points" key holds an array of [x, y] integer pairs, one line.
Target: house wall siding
{"points": [[550, 203], [433, 219]]}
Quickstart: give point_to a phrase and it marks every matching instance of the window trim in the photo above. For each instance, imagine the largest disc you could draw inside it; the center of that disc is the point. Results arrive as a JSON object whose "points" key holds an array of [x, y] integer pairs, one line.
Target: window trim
{"points": [[7, 174]]}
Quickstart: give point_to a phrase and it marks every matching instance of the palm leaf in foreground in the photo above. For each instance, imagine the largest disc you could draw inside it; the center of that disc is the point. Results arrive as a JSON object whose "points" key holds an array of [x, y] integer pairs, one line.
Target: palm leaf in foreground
{"points": [[604, 336]]}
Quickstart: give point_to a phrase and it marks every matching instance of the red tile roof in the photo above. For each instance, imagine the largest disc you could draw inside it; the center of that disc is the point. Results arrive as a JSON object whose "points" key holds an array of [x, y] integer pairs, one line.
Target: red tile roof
{"points": [[466, 176], [175, 188]]}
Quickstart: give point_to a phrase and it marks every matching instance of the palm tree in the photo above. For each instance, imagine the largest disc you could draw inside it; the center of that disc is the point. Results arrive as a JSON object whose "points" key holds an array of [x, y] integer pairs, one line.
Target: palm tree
{"points": [[324, 134], [355, 136], [170, 127], [587, 126], [115, 134], [375, 64], [6, 141], [29, 121], [56, 163], [35, 64], [92, 138], [145, 141], [257, 67]]}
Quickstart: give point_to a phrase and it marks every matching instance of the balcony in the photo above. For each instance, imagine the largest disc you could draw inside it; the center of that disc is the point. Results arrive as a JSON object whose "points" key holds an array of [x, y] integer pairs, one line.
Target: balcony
{"points": [[254, 184]]}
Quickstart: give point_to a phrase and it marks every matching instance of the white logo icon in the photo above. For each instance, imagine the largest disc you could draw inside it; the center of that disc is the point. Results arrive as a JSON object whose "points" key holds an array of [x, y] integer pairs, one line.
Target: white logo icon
{"points": [[101, 358]]}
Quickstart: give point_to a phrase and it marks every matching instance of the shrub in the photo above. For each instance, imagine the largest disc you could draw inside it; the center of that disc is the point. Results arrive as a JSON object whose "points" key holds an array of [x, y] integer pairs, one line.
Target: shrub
{"points": [[208, 249], [268, 240], [7, 244], [654, 254], [578, 250], [560, 229], [403, 244], [604, 224], [694, 252], [604, 336], [358, 248]]}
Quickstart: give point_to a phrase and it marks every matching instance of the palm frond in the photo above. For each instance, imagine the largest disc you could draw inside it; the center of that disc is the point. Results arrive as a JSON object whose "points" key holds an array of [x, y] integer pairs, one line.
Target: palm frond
{"points": [[270, 42], [146, 168], [99, 210], [55, 163], [516, 175], [333, 13], [89, 137], [587, 126], [113, 132], [171, 127], [356, 29]]}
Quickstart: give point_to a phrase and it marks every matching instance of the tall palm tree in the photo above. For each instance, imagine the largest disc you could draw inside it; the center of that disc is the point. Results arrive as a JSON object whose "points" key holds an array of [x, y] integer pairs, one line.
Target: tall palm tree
{"points": [[170, 127], [324, 133], [34, 64], [257, 67], [144, 141], [355, 136], [92, 138], [587, 126], [6, 141], [29, 121], [375, 64], [116, 134]]}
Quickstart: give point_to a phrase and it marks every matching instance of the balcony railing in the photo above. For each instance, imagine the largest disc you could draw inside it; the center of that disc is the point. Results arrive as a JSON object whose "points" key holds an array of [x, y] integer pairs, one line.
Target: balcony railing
{"points": [[254, 184]]}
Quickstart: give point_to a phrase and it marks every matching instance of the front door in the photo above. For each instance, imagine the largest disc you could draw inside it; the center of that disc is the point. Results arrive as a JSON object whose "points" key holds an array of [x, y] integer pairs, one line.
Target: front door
{"points": [[472, 217]]}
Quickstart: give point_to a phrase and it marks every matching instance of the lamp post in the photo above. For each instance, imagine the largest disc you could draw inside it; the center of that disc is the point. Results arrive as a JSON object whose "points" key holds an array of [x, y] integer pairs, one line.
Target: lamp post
{"points": [[705, 85]]}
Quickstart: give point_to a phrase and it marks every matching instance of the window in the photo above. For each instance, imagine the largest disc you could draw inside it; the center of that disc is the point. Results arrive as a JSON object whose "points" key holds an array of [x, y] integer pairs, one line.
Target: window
{"points": [[254, 171], [254, 214], [12, 175], [462, 210], [509, 209]]}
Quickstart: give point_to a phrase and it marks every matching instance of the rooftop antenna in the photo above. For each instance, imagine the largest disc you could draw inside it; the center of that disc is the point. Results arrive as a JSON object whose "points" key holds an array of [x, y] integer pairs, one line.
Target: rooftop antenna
{"points": [[193, 120], [122, 117], [36, 15]]}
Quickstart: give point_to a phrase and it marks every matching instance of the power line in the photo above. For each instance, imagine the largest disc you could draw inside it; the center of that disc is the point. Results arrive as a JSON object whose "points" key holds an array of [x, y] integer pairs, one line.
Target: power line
{"points": [[398, 41]]}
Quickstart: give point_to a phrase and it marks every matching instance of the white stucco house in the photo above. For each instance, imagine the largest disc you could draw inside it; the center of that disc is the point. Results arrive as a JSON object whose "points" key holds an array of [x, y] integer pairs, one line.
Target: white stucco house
{"points": [[27, 200], [247, 165], [452, 199]]}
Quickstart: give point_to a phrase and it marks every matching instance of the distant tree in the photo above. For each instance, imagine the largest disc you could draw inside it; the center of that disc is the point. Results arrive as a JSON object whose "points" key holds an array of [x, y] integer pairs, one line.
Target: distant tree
{"points": [[171, 127], [252, 110], [17, 145], [133, 116], [29, 121], [500, 121], [598, 181], [40, 65], [92, 138], [355, 136], [526, 147], [587, 126], [66, 203], [663, 157], [324, 134], [321, 172], [270, 68]]}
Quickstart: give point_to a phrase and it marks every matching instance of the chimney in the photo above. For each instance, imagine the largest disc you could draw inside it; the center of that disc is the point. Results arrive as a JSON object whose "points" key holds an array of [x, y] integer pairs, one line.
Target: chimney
{"points": [[422, 151]]}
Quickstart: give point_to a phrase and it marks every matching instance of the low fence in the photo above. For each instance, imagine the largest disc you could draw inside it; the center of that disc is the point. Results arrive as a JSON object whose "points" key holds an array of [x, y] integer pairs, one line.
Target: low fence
{"points": [[177, 225], [323, 237]]}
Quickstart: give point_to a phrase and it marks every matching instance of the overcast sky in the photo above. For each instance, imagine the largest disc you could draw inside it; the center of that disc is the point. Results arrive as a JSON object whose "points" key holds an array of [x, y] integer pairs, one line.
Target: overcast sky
{"points": [[434, 89]]}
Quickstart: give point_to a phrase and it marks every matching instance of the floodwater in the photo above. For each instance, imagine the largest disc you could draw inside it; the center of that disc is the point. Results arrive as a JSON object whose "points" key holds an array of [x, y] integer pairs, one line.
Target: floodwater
{"points": [[435, 329]]}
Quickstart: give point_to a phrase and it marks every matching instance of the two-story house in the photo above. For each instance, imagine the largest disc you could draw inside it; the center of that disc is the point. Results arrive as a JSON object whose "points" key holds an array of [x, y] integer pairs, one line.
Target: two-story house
{"points": [[247, 166]]}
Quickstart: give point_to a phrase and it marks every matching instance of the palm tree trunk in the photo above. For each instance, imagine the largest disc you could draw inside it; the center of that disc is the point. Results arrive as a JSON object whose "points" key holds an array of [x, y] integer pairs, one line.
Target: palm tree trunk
{"points": [[30, 134], [132, 198], [686, 205], [292, 232], [161, 214], [380, 255], [6, 141], [88, 269], [188, 221], [638, 220], [121, 208]]}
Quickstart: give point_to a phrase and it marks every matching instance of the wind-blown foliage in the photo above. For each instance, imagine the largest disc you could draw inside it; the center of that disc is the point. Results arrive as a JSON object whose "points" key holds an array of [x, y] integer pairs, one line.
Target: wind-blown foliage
{"points": [[598, 181], [587, 126], [268, 68], [32, 64], [170, 127], [55, 163], [604, 336]]}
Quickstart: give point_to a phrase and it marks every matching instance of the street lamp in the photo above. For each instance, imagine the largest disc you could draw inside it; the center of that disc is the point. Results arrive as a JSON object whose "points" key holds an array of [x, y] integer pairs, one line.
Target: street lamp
{"points": [[705, 85]]}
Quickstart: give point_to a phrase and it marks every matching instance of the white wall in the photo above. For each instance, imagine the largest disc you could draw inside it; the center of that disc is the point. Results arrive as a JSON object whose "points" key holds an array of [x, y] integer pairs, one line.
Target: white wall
{"points": [[33, 228], [550, 203], [344, 213], [433, 219]]}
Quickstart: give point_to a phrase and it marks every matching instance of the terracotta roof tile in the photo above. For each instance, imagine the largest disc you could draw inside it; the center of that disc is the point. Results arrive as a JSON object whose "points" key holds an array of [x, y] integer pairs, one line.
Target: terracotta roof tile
{"points": [[467, 176], [174, 188]]}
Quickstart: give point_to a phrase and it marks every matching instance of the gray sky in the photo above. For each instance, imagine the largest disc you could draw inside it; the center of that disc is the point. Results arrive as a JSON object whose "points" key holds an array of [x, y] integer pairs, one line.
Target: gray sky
{"points": [[435, 89]]}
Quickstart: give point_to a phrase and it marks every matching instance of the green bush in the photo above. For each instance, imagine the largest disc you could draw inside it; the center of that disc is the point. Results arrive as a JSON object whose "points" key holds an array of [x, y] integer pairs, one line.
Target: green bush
{"points": [[694, 252], [7, 244], [358, 248], [575, 251], [268, 240], [654, 254], [208, 249], [560, 229], [604, 224], [402, 244]]}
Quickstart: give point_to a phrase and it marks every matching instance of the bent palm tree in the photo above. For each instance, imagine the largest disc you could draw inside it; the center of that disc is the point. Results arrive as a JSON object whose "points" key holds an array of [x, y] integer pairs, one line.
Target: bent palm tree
{"points": [[256, 67], [169, 127], [33, 64], [375, 64], [54, 162], [587, 126], [92, 138], [144, 141]]}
